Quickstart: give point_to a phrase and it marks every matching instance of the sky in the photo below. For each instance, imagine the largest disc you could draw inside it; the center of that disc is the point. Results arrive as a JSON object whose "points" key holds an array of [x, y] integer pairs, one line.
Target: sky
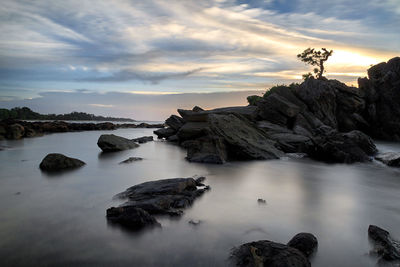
{"points": [[145, 59]]}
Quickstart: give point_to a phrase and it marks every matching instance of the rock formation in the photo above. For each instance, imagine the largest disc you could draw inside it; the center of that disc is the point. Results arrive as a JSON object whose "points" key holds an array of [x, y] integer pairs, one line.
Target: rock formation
{"points": [[57, 162], [112, 143]]}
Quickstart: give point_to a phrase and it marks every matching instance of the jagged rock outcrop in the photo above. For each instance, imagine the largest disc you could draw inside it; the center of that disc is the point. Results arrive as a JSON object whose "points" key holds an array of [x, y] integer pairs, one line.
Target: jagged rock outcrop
{"points": [[272, 254], [161, 197], [382, 95], [391, 159], [112, 143], [57, 162], [326, 119]]}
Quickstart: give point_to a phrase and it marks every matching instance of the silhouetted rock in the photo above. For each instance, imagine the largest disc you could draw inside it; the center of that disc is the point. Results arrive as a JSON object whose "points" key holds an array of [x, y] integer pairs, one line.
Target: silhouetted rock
{"points": [[57, 162], [391, 159], [175, 122], [111, 143], [168, 196], [143, 139], [384, 246], [206, 150], [305, 242]]}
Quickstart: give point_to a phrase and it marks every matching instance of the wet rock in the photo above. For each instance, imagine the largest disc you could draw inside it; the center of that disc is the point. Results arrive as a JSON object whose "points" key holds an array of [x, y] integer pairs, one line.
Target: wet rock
{"points": [[195, 222], [261, 201], [57, 162], [131, 159], [206, 150], [384, 246], [143, 139], [164, 132], [391, 159], [131, 217], [111, 143], [305, 242], [175, 122], [162, 197], [192, 130], [268, 253]]}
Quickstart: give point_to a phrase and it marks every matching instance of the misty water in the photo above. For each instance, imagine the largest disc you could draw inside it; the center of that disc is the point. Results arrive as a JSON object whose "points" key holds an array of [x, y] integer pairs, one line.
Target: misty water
{"points": [[59, 220]]}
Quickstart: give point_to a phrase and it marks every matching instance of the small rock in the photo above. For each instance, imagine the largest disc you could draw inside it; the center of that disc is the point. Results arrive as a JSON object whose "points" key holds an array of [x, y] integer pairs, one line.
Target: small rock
{"points": [[261, 201], [391, 159], [131, 217], [131, 159], [111, 143], [195, 222], [143, 139], [57, 162], [305, 242]]}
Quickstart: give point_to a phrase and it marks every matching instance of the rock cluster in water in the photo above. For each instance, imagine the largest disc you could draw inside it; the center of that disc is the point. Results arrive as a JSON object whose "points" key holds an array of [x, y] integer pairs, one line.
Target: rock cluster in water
{"points": [[161, 197], [387, 249], [17, 129], [272, 254], [325, 119]]}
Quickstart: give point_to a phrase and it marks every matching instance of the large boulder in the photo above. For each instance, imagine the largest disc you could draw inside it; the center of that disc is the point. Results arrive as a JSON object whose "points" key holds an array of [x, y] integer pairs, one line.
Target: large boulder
{"points": [[175, 122], [206, 150], [382, 93], [57, 162], [307, 243], [192, 130], [391, 159], [384, 246], [111, 143], [242, 138], [162, 197]]}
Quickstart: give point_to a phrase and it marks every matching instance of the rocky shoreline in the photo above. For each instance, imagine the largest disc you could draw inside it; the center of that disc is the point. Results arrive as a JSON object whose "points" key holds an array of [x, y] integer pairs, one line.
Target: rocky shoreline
{"points": [[17, 129], [323, 119]]}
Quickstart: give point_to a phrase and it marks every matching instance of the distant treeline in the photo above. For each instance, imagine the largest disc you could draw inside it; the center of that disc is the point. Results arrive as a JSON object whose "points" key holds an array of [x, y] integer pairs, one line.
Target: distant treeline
{"points": [[27, 114]]}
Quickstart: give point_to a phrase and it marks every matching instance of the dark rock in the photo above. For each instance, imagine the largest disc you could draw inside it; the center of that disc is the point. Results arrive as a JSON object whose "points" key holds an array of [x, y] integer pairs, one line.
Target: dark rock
{"points": [[143, 139], [131, 159], [111, 143], [206, 150], [268, 253], [57, 162], [164, 132], [15, 131], [173, 138], [175, 122], [131, 217], [391, 159], [168, 197], [197, 109], [384, 246], [305, 242], [192, 130], [261, 201], [195, 222], [291, 143], [249, 112], [343, 148], [243, 139]]}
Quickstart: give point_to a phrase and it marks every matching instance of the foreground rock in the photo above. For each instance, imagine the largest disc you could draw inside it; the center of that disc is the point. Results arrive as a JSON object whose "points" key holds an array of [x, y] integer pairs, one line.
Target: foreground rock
{"points": [[112, 143], [391, 159], [17, 129], [161, 197], [272, 254], [384, 246], [57, 162]]}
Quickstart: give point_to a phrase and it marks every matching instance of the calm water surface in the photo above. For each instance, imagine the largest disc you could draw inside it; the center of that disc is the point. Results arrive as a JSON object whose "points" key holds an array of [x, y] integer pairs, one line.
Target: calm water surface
{"points": [[60, 220]]}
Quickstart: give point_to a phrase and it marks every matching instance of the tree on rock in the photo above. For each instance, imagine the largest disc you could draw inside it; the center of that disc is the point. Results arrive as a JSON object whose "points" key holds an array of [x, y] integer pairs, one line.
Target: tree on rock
{"points": [[315, 58]]}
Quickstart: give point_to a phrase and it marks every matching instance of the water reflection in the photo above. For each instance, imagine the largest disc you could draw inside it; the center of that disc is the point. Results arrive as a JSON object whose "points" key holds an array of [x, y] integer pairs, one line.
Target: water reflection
{"points": [[62, 221]]}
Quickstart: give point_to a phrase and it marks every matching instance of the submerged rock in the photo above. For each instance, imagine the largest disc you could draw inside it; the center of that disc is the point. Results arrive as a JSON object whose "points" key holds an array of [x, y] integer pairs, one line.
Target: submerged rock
{"points": [[391, 159], [130, 160], [111, 143], [161, 197], [384, 246], [57, 162]]}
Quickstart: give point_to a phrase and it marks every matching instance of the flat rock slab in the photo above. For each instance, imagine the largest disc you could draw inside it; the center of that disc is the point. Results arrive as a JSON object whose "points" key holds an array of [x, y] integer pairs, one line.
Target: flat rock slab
{"points": [[161, 197], [131, 159], [391, 159], [57, 162], [111, 143]]}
